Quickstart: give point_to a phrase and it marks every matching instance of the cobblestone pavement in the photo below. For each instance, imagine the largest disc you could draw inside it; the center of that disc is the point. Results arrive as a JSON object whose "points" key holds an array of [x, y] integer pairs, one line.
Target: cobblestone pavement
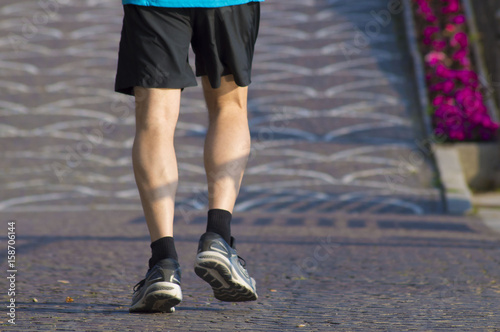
{"points": [[314, 273], [339, 219]]}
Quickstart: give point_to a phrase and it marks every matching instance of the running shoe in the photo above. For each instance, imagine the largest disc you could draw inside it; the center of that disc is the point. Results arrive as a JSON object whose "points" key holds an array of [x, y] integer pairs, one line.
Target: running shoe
{"points": [[160, 290], [218, 263]]}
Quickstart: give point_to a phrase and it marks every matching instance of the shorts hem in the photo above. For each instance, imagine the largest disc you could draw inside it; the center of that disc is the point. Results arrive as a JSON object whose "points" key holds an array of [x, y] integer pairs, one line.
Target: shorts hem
{"points": [[129, 89]]}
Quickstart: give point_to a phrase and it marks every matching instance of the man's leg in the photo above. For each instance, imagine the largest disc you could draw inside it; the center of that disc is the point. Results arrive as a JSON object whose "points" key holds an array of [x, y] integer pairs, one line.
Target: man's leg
{"points": [[227, 147], [227, 144], [155, 170], [153, 157]]}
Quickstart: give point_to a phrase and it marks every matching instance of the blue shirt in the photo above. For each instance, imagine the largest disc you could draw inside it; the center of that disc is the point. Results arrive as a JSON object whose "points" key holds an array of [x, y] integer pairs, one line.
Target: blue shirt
{"points": [[187, 3]]}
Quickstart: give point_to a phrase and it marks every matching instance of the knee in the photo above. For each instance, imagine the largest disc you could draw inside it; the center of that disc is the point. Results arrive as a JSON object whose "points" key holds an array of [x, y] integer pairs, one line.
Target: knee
{"points": [[228, 100], [155, 123], [233, 111], [154, 126], [157, 110]]}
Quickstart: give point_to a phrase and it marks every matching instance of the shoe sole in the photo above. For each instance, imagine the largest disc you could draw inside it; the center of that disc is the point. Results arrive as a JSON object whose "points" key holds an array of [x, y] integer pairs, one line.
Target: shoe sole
{"points": [[217, 271], [159, 297]]}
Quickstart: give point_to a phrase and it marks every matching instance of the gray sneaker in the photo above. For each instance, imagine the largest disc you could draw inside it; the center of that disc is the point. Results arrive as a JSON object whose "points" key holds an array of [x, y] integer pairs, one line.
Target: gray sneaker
{"points": [[219, 264], [160, 290]]}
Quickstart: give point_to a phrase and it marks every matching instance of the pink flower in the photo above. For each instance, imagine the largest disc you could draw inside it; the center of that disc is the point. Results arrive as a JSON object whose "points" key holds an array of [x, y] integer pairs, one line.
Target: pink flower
{"points": [[448, 86], [457, 135], [465, 94], [433, 58], [465, 62], [424, 7], [437, 87], [478, 118], [439, 45], [466, 76], [431, 18], [440, 99], [460, 19], [430, 30], [460, 54], [450, 27], [444, 72], [440, 112], [487, 123], [459, 38], [453, 7]]}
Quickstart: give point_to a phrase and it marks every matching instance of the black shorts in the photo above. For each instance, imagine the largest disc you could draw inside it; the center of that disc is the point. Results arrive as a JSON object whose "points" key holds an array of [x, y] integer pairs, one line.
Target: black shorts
{"points": [[155, 42]]}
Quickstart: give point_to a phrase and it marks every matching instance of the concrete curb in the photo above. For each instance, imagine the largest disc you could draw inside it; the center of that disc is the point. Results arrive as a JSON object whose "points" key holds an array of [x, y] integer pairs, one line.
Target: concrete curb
{"points": [[456, 191], [488, 205], [491, 217]]}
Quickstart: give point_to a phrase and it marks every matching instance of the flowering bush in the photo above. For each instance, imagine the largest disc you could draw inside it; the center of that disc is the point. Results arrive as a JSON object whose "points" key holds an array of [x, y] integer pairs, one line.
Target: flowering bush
{"points": [[456, 94]]}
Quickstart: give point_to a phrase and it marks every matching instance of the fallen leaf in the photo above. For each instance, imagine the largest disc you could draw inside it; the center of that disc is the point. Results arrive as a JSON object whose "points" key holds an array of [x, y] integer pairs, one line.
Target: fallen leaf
{"points": [[299, 278], [34, 299], [69, 299], [273, 290]]}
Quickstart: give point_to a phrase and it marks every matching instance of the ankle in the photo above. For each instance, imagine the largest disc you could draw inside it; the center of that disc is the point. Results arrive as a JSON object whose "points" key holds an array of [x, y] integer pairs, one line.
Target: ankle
{"points": [[161, 249], [219, 221]]}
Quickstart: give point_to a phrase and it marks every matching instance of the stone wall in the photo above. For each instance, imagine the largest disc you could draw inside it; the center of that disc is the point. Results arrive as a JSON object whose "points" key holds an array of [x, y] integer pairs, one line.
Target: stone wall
{"points": [[487, 14]]}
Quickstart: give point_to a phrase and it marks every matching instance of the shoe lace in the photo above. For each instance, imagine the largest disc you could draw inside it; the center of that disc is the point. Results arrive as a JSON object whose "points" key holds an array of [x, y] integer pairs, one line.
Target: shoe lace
{"points": [[242, 261], [233, 245], [139, 285]]}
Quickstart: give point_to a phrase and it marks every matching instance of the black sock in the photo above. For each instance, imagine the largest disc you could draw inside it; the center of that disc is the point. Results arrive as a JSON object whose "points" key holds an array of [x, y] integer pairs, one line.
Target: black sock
{"points": [[161, 249], [219, 221]]}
